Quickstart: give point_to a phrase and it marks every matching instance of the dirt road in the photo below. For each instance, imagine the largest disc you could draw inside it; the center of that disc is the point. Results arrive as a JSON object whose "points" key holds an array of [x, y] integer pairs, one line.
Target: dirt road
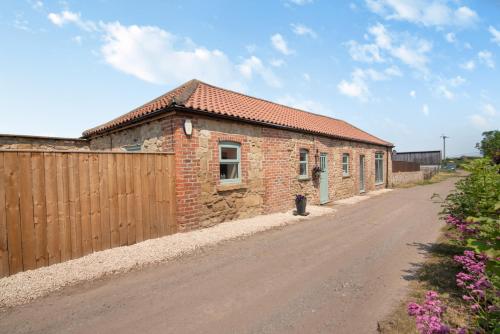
{"points": [[333, 274]]}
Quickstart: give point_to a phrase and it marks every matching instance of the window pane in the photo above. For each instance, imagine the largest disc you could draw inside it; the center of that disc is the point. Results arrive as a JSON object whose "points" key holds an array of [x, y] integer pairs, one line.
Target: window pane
{"points": [[229, 153], [229, 171], [303, 168], [303, 155]]}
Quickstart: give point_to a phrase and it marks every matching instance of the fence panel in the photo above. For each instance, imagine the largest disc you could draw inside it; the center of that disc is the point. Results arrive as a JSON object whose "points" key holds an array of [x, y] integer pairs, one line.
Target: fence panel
{"points": [[57, 206], [405, 166]]}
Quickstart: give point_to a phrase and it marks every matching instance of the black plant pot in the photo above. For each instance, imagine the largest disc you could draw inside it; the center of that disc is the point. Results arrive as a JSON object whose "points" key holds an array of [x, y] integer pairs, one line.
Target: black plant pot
{"points": [[301, 206]]}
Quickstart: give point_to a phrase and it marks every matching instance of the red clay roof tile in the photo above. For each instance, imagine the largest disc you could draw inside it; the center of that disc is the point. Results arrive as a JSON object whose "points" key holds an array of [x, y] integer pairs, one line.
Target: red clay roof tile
{"points": [[204, 97]]}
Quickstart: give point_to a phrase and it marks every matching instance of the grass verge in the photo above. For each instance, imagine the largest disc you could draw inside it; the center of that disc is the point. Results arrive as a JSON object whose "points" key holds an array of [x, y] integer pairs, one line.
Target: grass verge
{"points": [[436, 273]]}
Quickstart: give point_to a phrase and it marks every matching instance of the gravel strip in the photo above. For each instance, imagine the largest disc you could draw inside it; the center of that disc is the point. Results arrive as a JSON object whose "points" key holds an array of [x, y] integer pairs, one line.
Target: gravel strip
{"points": [[26, 286], [359, 198]]}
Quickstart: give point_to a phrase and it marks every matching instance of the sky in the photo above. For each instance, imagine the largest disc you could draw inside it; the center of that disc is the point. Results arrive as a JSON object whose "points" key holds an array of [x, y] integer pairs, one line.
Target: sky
{"points": [[405, 71]]}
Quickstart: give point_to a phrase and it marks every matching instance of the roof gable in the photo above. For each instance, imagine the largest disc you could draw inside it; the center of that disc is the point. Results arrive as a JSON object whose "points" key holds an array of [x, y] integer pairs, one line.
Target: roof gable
{"points": [[214, 100]]}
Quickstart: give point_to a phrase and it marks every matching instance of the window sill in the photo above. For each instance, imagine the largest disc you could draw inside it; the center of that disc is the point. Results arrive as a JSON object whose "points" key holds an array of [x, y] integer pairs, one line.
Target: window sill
{"points": [[379, 183], [304, 178], [346, 176], [231, 186]]}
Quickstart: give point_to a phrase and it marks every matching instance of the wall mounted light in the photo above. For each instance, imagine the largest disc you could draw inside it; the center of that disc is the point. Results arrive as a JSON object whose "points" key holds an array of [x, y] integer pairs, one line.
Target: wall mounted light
{"points": [[188, 127]]}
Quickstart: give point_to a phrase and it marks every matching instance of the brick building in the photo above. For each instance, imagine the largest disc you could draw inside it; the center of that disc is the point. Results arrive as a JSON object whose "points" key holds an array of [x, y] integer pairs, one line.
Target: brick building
{"points": [[238, 156]]}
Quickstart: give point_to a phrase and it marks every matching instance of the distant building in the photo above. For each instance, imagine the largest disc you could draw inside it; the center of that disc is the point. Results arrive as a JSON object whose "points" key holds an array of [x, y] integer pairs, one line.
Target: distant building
{"points": [[424, 158]]}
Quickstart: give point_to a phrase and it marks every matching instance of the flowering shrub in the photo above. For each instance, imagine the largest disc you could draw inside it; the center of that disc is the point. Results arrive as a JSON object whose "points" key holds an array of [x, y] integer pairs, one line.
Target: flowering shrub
{"points": [[472, 215]]}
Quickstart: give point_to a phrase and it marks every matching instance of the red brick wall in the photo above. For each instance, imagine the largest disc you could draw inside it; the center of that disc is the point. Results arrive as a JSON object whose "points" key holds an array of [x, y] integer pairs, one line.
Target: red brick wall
{"points": [[269, 166]]}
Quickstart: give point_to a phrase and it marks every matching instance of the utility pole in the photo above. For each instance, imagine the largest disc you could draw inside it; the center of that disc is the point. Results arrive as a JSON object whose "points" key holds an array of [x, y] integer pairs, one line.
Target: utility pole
{"points": [[444, 145]]}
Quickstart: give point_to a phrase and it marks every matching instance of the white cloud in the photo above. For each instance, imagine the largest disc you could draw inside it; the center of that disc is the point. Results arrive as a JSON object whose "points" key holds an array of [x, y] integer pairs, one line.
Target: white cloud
{"points": [[358, 86], [382, 36], [410, 50], [368, 53], [355, 89], [486, 57], [457, 81], [413, 94], [67, 16], [254, 65], [157, 56], [450, 37], [424, 12], [479, 121], [306, 76], [489, 109], [300, 2], [495, 35], [425, 110], [251, 48], [304, 104], [469, 65], [277, 62], [302, 30], [280, 44], [37, 4], [77, 40], [445, 92]]}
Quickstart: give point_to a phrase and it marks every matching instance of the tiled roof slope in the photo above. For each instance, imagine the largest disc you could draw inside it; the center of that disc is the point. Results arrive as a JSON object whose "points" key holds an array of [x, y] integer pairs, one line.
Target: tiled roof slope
{"points": [[201, 96]]}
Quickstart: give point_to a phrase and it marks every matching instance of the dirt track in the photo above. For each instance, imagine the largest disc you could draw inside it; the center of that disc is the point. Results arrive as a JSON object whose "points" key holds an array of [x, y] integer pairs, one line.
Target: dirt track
{"points": [[333, 274]]}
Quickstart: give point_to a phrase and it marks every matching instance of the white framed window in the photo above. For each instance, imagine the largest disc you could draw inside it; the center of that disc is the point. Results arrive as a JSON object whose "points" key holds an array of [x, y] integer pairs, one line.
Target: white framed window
{"points": [[379, 168], [345, 164], [303, 163], [230, 162]]}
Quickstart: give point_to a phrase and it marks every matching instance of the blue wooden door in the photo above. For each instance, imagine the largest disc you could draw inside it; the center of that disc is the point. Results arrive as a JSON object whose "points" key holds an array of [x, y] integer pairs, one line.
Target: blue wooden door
{"points": [[361, 173], [323, 180]]}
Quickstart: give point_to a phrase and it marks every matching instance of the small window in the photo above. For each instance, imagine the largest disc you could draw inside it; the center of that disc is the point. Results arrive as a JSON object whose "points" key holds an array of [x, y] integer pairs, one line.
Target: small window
{"points": [[303, 159], [229, 162], [379, 167], [132, 148], [345, 164]]}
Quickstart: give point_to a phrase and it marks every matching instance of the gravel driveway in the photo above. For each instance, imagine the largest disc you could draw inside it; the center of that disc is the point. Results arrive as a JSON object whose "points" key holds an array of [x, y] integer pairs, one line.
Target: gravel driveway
{"points": [[332, 274]]}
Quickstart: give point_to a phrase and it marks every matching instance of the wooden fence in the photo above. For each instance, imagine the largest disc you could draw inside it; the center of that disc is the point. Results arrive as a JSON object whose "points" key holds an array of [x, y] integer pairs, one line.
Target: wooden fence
{"points": [[57, 206], [405, 166]]}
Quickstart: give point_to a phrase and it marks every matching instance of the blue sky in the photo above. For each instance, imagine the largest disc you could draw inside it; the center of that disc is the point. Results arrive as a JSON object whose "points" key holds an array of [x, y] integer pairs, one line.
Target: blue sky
{"points": [[406, 71]]}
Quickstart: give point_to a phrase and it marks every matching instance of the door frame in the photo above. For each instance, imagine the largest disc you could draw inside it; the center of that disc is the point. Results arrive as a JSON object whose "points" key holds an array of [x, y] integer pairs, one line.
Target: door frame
{"points": [[323, 180], [361, 174]]}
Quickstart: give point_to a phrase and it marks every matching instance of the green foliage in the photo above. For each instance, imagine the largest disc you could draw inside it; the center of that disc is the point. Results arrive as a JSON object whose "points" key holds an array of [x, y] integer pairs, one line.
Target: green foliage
{"points": [[478, 194], [476, 205], [490, 144]]}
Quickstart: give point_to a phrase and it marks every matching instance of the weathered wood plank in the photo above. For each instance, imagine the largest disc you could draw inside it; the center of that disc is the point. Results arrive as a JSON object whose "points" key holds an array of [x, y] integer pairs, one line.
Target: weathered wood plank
{"points": [[26, 208], [122, 199], [63, 206], [171, 196], [139, 223], [113, 202], [39, 209], [153, 217], [74, 207], [95, 210], [129, 189], [53, 250], [13, 215], [85, 203], [159, 191], [145, 198], [104, 201], [4, 251]]}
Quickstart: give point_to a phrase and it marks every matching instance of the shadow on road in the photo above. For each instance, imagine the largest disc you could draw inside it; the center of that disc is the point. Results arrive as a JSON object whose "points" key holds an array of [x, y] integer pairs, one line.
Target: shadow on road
{"points": [[439, 268]]}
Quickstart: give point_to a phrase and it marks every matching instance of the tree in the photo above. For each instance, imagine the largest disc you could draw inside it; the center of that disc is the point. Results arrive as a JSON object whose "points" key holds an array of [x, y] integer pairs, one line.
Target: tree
{"points": [[490, 144]]}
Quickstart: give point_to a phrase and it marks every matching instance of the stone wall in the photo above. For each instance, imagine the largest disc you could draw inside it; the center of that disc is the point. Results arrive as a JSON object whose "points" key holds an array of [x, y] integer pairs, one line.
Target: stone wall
{"points": [[20, 142], [153, 136], [402, 178]]}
